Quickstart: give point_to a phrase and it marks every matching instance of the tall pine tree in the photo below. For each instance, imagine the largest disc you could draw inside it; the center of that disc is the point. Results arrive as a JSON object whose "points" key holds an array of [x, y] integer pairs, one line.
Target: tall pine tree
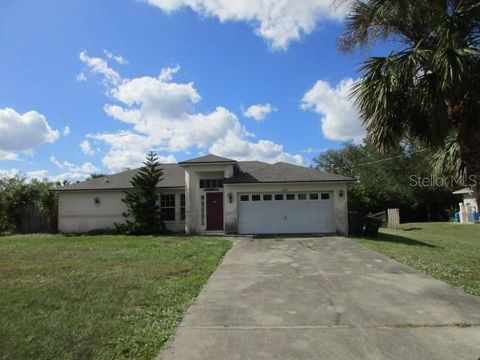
{"points": [[143, 210]]}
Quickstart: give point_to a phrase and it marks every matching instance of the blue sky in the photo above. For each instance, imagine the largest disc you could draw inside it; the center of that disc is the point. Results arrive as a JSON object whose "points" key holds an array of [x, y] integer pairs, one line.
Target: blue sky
{"points": [[81, 90]]}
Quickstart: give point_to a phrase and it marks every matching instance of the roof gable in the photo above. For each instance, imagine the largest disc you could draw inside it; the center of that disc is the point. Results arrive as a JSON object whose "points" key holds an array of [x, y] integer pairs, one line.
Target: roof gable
{"points": [[207, 159]]}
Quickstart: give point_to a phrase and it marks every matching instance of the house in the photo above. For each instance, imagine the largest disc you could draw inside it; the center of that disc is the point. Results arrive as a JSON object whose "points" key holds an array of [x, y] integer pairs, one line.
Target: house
{"points": [[216, 194], [468, 197]]}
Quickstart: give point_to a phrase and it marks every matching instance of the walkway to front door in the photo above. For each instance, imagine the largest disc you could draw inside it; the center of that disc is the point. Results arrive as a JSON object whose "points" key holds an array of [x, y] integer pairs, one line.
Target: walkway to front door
{"points": [[324, 298], [214, 211]]}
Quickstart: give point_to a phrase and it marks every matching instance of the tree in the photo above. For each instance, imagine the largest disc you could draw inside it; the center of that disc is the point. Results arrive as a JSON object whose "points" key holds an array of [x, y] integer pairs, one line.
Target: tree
{"points": [[143, 211], [16, 194], [389, 180], [427, 89]]}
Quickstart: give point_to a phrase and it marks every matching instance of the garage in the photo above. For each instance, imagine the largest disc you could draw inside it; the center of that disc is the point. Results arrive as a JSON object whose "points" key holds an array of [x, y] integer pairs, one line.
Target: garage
{"points": [[286, 213]]}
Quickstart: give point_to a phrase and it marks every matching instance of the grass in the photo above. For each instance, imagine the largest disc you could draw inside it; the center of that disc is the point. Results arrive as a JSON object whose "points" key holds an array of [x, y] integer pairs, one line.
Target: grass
{"points": [[446, 251], [98, 297]]}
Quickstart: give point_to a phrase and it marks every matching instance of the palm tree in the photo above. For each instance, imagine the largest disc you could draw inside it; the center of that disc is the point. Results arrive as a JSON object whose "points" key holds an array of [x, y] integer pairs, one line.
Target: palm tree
{"points": [[427, 89]]}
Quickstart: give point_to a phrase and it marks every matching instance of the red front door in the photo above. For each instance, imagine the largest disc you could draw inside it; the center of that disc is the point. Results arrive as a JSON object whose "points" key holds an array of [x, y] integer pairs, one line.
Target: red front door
{"points": [[215, 211]]}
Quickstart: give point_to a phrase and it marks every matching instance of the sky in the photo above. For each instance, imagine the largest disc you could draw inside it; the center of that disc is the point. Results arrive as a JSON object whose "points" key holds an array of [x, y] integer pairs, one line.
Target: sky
{"points": [[90, 86]]}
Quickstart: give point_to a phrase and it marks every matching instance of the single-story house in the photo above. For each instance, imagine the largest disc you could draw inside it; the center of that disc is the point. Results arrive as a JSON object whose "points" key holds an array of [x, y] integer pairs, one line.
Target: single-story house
{"points": [[468, 197], [213, 194]]}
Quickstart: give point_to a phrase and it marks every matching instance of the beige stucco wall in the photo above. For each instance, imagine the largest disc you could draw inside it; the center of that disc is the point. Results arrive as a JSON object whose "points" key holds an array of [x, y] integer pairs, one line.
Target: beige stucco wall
{"points": [[339, 203], [78, 213]]}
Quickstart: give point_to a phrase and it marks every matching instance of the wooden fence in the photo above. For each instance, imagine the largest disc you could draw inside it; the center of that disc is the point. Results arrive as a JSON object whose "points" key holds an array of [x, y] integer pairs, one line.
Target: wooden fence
{"points": [[393, 218], [33, 220]]}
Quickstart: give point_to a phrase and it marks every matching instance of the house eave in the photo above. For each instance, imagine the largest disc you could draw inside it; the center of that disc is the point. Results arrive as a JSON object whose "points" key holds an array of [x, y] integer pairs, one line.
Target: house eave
{"points": [[290, 182], [114, 189]]}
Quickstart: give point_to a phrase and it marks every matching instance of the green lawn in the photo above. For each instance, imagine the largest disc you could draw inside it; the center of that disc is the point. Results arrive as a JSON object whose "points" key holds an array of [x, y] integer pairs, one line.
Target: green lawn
{"points": [[98, 297], [446, 251]]}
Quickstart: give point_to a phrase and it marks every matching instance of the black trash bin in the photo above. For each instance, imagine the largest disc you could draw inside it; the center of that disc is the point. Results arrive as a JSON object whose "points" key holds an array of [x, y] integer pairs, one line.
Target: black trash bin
{"points": [[372, 225], [356, 223]]}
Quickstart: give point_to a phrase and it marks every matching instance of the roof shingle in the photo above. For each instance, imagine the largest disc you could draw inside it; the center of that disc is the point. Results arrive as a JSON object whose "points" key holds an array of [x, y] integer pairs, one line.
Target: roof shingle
{"points": [[173, 176], [283, 172], [246, 172], [207, 159]]}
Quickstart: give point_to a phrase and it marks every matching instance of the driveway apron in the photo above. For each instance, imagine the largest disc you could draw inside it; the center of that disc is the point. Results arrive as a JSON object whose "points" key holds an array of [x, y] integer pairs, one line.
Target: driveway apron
{"points": [[324, 298]]}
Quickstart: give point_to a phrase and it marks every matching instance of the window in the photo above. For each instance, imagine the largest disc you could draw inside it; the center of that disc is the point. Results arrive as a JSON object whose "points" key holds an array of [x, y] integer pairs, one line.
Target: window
{"points": [[182, 207], [313, 196], [302, 196], [255, 197], [290, 196], [211, 183], [325, 196], [278, 196], [267, 197], [244, 198], [167, 205]]}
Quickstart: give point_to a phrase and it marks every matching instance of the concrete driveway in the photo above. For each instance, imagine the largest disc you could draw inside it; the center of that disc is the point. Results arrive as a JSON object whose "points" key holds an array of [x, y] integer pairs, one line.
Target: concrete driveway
{"points": [[324, 298]]}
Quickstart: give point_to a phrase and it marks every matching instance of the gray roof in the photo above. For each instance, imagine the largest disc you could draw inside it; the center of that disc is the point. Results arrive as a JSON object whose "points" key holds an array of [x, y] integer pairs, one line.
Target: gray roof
{"points": [[173, 176], [283, 173], [207, 159], [245, 172], [248, 166]]}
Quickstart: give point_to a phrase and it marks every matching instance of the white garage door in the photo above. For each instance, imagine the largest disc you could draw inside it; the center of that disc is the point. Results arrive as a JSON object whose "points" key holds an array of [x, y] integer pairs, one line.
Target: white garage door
{"points": [[287, 213]]}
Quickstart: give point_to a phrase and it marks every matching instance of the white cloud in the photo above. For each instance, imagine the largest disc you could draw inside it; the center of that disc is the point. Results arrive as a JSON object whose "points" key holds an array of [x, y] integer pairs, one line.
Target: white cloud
{"points": [[59, 164], [8, 155], [81, 77], [118, 58], [278, 21], [99, 66], [264, 150], [312, 150], [66, 131], [161, 115], [23, 132], [167, 73], [37, 174], [259, 112], [340, 119], [8, 173], [86, 148], [72, 172]]}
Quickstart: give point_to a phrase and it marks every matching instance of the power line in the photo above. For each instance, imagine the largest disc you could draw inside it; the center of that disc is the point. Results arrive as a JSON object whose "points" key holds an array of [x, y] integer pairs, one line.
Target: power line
{"points": [[376, 161]]}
